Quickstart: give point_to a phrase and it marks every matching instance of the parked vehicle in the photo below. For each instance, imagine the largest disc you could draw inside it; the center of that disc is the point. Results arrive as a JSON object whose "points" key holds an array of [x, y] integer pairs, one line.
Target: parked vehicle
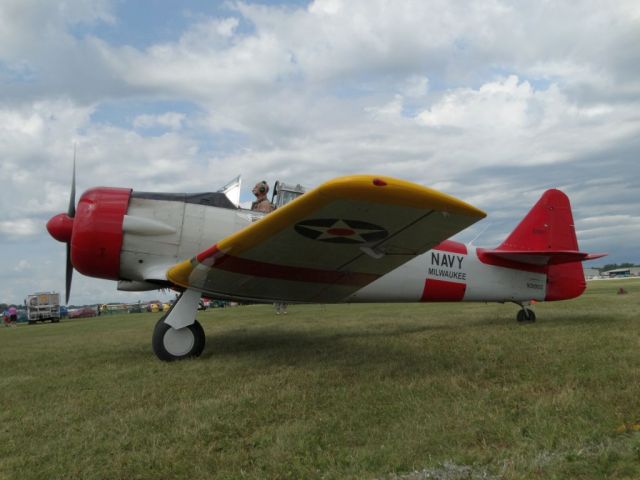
{"points": [[83, 312], [115, 308], [43, 306], [153, 307], [135, 308]]}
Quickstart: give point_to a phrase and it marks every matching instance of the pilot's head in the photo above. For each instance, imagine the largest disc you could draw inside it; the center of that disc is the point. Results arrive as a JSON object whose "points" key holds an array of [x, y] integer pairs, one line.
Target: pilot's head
{"points": [[261, 189]]}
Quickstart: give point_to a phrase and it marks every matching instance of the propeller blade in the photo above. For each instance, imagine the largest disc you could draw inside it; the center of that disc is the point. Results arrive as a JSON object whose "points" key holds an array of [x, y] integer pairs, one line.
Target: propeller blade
{"points": [[69, 275], [72, 200]]}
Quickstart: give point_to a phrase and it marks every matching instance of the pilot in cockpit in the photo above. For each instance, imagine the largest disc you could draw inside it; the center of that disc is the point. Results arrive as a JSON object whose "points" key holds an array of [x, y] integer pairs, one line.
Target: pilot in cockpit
{"points": [[262, 203]]}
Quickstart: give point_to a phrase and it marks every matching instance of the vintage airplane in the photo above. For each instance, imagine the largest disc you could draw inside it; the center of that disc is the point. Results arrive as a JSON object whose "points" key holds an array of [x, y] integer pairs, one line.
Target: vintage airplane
{"points": [[359, 238]]}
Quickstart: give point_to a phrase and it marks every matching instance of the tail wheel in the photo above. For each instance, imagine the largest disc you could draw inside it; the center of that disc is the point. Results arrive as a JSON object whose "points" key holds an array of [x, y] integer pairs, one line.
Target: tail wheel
{"points": [[171, 344], [526, 315]]}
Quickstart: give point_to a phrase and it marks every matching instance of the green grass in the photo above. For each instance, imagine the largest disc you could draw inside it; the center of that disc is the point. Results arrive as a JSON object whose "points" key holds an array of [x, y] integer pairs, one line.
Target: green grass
{"points": [[343, 391]]}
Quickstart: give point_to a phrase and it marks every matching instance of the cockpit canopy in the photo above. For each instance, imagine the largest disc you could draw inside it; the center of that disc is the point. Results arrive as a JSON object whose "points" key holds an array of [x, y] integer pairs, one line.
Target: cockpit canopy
{"points": [[283, 193]]}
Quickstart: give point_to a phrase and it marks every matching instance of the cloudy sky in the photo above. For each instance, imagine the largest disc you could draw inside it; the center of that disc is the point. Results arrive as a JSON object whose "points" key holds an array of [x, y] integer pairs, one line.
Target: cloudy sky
{"points": [[491, 101]]}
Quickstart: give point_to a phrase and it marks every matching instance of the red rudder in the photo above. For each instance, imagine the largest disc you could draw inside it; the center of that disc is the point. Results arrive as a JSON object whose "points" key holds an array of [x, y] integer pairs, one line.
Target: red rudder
{"points": [[565, 281]]}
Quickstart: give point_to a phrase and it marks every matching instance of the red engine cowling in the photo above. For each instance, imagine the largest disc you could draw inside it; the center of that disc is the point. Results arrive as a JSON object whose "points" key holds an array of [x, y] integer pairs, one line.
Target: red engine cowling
{"points": [[95, 232]]}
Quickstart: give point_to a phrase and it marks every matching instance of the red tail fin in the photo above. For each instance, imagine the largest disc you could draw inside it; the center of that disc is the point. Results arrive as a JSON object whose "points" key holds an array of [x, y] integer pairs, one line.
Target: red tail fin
{"points": [[546, 237], [547, 227]]}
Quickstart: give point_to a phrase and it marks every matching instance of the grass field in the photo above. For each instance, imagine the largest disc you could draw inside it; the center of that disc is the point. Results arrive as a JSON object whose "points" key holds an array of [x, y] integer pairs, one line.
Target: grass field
{"points": [[445, 391]]}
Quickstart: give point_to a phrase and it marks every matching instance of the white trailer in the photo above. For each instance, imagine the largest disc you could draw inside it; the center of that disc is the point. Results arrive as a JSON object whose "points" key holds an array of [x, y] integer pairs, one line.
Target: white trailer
{"points": [[43, 306]]}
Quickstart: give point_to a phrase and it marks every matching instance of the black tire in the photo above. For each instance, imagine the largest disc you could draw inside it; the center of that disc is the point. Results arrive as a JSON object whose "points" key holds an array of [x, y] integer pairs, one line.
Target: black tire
{"points": [[526, 315], [170, 344]]}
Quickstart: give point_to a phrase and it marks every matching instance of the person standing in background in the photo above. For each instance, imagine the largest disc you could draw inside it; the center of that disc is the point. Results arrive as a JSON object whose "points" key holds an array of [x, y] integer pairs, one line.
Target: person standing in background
{"points": [[13, 314]]}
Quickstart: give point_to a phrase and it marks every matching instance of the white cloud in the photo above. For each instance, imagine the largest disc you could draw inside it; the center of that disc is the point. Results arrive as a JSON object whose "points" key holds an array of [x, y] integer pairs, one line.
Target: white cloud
{"points": [[509, 122], [207, 60], [19, 228], [325, 7], [20, 19], [391, 111], [497, 106], [22, 266], [415, 86], [172, 120]]}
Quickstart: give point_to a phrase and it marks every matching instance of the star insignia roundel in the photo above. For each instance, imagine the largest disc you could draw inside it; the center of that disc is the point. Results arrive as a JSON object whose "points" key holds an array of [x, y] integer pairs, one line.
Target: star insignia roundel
{"points": [[335, 230]]}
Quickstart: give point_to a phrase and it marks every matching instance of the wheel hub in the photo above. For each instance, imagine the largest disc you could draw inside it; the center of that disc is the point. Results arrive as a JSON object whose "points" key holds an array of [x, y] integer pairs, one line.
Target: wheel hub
{"points": [[178, 342]]}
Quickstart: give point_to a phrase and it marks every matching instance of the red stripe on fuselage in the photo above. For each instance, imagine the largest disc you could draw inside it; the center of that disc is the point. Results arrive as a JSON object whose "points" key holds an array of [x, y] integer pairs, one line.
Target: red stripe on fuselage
{"points": [[217, 259], [442, 291]]}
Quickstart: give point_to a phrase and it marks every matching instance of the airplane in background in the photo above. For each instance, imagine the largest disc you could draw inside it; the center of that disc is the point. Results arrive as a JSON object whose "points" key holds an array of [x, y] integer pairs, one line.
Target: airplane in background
{"points": [[360, 238]]}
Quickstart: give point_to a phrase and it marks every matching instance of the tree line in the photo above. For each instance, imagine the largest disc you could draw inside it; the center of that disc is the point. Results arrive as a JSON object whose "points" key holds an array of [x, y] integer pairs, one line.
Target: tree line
{"points": [[615, 266]]}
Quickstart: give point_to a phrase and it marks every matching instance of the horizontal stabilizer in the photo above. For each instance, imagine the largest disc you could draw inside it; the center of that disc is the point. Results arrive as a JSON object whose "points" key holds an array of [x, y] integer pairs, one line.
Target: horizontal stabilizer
{"points": [[542, 257], [594, 256]]}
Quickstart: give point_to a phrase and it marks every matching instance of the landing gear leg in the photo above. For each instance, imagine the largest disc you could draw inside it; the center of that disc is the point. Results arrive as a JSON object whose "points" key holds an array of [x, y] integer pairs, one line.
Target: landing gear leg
{"points": [[178, 334], [526, 315]]}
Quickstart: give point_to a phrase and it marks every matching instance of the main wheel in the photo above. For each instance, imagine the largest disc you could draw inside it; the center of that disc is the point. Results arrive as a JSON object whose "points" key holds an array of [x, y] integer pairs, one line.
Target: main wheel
{"points": [[526, 315], [170, 344]]}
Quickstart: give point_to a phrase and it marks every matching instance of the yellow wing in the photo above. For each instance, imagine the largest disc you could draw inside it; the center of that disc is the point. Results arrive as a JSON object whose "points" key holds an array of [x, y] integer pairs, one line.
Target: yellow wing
{"points": [[328, 243]]}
